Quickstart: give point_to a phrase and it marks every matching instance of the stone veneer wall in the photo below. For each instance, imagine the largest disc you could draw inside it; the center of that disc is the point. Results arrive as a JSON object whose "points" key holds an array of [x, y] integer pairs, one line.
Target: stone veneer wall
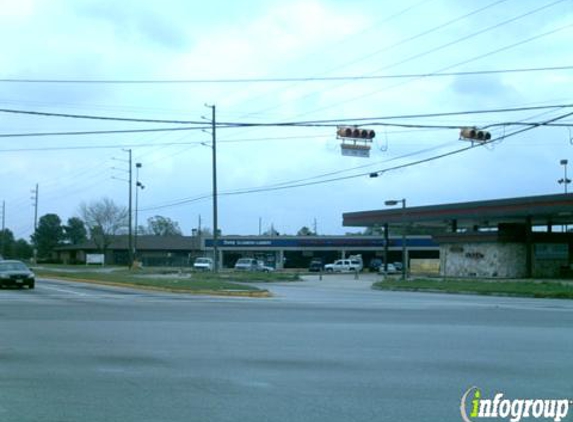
{"points": [[503, 260]]}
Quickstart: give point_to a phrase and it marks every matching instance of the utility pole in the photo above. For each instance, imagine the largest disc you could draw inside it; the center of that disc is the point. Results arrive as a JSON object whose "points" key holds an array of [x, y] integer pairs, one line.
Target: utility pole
{"points": [[215, 211], [260, 226], [3, 229], [315, 227], [129, 182], [34, 198], [130, 228]]}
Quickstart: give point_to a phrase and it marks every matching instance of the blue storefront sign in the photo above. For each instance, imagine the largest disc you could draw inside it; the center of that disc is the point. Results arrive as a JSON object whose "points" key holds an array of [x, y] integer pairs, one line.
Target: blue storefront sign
{"points": [[310, 243]]}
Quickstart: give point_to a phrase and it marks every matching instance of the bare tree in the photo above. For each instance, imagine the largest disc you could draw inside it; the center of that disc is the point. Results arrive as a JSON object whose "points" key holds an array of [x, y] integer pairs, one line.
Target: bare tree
{"points": [[104, 219]]}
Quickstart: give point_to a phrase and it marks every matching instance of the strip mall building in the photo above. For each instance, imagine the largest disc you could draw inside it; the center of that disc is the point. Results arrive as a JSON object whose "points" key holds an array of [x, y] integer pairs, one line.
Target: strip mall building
{"points": [[506, 238], [298, 251]]}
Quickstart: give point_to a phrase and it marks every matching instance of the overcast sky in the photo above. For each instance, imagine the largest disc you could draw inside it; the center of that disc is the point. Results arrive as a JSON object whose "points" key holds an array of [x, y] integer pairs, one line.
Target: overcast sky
{"points": [[191, 40]]}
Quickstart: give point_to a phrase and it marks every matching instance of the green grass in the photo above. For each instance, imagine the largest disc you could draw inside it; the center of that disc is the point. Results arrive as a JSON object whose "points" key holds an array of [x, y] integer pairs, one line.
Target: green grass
{"points": [[198, 282], [250, 277], [537, 289]]}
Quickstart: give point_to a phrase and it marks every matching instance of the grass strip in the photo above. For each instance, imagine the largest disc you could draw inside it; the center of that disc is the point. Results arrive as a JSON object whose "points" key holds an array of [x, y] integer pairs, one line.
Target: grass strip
{"points": [[195, 283], [537, 289]]}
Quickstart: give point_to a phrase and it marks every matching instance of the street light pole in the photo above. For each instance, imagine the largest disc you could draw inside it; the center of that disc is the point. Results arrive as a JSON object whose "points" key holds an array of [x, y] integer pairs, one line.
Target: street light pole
{"points": [[564, 180], [130, 211], [396, 202]]}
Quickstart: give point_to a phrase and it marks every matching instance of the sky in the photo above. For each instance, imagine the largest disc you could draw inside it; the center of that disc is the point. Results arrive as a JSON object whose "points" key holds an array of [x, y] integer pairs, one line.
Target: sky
{"points": [[242, 57]]}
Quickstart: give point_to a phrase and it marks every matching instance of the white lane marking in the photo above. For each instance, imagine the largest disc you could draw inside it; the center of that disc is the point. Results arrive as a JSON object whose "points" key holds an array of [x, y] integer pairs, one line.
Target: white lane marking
{"points": [[65, 291]]}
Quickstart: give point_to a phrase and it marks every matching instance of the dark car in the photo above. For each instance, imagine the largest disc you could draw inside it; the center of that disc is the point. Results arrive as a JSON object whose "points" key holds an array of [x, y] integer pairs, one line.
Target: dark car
{"points": [[15, 273], [316, 265], [375, 264]]}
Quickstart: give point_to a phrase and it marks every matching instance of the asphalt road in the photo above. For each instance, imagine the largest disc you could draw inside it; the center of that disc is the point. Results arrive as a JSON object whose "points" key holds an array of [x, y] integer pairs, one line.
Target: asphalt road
{"points": [[319, 351]]}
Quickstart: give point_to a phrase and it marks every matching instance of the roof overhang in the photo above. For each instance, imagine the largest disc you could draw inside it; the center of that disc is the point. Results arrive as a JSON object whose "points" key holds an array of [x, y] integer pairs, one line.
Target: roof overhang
{"points": [[542, 210]]}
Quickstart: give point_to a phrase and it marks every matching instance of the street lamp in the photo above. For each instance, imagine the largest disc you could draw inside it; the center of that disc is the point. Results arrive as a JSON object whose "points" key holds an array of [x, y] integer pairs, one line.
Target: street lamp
{"points": [[138, 185], [565, 181], [392, 203]]}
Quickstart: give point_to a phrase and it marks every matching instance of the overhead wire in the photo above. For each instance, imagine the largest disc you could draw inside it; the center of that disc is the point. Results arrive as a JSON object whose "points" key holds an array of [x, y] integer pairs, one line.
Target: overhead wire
{"points": [[426, 52], [231, 124], [402, 166], [395, 45], [310, 182], [353, 78], [438, 48]]}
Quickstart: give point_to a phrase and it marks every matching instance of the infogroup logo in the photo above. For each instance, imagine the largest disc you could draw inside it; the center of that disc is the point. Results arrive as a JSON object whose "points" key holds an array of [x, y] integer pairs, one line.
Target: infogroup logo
{"points": [[474, 407]]}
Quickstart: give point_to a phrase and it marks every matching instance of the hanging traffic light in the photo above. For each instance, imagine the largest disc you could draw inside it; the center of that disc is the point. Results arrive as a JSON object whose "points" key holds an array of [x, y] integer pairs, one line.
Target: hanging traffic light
{"points": [[355, 141], [474, 134], [353, 132]]}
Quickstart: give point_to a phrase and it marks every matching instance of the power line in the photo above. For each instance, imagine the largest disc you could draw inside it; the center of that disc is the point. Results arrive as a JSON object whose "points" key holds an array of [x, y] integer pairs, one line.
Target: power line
{"points": [[364, 121], [438, 71], [440, 47], [87, 147], [328, 122], [96, 132], [293, 79], [307, 182], [402, 166], [92, 117], [401, 42]]}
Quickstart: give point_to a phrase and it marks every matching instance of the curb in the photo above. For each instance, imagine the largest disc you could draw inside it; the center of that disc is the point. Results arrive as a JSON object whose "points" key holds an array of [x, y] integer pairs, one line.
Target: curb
{"points": [[235, 293], [467, 293]]}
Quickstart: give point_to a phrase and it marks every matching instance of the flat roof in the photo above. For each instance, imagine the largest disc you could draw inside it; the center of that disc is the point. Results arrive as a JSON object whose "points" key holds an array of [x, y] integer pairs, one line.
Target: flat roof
{"points": [[543, 210]]}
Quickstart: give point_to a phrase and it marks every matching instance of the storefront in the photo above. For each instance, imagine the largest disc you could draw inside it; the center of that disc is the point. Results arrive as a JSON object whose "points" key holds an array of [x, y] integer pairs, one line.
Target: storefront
{"points": [[298, 251], [505, 238]]}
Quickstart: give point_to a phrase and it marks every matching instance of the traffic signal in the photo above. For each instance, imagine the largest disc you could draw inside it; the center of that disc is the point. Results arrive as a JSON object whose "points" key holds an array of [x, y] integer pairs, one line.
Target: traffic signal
{"points": [[353, 132], [474, 134]]}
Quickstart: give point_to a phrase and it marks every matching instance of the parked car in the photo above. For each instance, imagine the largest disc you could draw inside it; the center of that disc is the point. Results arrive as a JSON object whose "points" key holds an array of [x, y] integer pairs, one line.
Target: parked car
{"points": [[15, 273], [246, 264], [391, 269], [251, 264], [203, 264], [264, 268], [375, 264], [344, 266], [316, 265]]}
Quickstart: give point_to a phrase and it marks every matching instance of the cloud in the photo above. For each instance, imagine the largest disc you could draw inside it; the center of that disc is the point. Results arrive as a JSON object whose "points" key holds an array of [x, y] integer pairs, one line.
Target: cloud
{"points": [[219, 39], [137, 21], [480, 91]]}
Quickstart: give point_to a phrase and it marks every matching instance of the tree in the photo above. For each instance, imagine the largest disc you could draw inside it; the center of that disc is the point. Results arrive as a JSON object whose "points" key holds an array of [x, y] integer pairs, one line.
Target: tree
{"points": [[22, 249], [10, 248], [305, 231], [375, 230], [104, 219], [271, 231], [75, 231], [163, 226], [6, 243], [48, 235]]}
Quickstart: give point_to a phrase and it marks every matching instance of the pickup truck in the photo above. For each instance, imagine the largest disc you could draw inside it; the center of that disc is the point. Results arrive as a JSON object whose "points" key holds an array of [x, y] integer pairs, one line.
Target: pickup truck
{"points": [[203, 264], [344, 266]]}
